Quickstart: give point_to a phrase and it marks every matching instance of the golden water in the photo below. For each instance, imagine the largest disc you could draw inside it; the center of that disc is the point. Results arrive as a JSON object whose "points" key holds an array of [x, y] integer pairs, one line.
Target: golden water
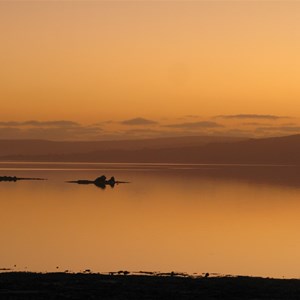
{"points": [[189, 218]]}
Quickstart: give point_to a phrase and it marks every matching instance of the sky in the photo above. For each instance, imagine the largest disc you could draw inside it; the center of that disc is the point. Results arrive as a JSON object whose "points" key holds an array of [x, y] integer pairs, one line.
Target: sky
{"points": [[134, 69]]}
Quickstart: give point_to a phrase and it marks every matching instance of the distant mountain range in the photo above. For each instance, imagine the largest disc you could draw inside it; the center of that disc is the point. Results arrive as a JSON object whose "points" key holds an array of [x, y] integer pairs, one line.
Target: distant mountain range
{"points": [[24, 148], [201, 149]]}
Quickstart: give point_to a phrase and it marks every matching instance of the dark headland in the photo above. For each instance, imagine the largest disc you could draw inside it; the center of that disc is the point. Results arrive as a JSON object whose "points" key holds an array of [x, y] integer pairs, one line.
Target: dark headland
{"points": [[208, 150], [21, 285]]}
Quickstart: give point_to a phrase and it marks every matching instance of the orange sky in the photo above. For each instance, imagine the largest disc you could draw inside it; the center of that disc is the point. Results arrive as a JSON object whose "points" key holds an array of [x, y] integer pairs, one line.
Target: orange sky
{"points": [[93, 61]]}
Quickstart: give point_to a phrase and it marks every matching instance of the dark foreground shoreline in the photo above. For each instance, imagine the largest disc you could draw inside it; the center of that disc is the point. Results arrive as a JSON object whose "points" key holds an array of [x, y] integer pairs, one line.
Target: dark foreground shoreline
{"points": [[26, 285]]}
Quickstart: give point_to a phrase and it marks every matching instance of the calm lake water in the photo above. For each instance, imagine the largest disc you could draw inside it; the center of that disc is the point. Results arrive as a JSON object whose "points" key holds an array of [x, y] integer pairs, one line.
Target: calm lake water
{"points": [[239, 220]]}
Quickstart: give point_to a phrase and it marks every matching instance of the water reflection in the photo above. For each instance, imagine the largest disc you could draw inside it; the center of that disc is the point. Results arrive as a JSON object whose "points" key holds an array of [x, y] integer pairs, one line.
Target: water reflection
{"points": [[288, 176], [182, 219]]}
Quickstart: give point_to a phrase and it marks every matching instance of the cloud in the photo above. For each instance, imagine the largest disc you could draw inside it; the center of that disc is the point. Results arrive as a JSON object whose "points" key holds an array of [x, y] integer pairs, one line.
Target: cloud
{"points": [[61, 123], [64, 133], [138, 121], [141, 133], [254, 124], [141, 130], [195, 125], [34, 123], [10, 124], [251, 116], [104, 123], [51, 130], [287, 129], [10, 133], [234, 133], [192, 116]]}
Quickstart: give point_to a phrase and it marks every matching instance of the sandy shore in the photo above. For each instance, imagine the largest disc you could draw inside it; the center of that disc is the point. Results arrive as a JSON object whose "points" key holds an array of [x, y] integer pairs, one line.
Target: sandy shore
{"points": [[20, 285]]}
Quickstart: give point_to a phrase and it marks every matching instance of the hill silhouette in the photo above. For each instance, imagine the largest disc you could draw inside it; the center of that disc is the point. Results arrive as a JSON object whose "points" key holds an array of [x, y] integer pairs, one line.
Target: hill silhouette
{"points": [[45, 147], [276, 150]]}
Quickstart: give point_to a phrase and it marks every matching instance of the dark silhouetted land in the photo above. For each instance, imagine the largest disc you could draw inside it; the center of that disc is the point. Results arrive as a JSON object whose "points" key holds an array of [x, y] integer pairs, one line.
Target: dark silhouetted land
{"points": [[278, 150], [44, 147], [95, 286]]}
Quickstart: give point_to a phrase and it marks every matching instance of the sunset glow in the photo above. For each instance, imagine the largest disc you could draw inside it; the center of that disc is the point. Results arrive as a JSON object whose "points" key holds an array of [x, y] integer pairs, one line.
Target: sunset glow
{"points": [[96, 61], [150, 149]]}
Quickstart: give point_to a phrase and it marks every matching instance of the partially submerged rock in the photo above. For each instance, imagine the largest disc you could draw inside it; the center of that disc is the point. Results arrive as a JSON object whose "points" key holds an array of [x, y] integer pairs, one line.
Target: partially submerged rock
{"points": [[14, 178], [101, 182]]}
